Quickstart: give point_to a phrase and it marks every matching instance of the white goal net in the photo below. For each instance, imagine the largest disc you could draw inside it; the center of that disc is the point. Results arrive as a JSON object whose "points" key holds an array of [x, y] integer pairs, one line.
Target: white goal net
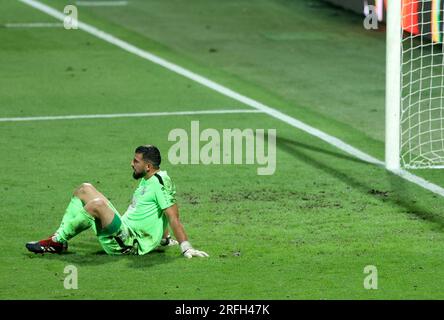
{"points": [[422, 84]]}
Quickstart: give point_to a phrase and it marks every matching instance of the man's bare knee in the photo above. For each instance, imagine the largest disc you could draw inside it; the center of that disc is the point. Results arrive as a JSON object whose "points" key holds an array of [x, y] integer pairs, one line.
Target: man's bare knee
{"points": [[87, 192], [95, 206], [84, 188], [99, 209]]}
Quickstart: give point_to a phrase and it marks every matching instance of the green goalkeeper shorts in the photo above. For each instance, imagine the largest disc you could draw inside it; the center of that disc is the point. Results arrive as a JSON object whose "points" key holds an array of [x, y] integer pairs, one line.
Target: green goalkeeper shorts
{"points": [[127, 241], [121, 241]]}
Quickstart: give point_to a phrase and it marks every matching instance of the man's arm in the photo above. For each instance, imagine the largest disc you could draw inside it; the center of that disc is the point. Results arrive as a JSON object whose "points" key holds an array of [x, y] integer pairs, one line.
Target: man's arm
{"points": [[172, 214], [188, 251]]}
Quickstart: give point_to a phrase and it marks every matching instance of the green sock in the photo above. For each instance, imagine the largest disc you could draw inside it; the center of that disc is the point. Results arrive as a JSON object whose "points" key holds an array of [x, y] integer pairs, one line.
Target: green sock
{"points": [[75, 220]]}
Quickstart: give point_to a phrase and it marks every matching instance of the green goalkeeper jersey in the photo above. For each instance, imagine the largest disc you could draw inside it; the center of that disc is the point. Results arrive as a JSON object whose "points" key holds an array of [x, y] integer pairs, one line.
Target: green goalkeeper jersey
{"points": [[145, 215]]}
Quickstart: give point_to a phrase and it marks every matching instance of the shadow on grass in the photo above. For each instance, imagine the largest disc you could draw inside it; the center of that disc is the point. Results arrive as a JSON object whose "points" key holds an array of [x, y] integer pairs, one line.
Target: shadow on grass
{"points": [[153, 258], [88, 258], [287, 143], [400, 195], [404, 196]]}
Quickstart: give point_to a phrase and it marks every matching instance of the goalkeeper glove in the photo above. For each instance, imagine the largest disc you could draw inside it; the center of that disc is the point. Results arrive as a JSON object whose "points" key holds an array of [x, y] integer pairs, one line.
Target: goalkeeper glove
{"points": [[188, 251], [168, 242]]}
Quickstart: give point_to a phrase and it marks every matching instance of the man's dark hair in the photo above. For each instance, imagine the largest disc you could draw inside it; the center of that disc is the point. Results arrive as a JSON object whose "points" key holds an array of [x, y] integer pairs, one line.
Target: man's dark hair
{"points": [[150, 154]]}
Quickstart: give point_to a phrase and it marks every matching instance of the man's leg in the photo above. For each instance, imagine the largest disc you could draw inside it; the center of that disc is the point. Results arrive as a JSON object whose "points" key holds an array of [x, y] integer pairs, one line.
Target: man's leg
{"points": [[77, 218], [112, 234], [87, 192], [101, 211], [86, 208]]}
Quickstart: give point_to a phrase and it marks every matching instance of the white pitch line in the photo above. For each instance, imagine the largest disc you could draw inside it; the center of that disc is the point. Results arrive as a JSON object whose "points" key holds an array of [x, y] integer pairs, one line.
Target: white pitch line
{"points": [[34, 25], [101, 3], [128, 115], [236, 96]]}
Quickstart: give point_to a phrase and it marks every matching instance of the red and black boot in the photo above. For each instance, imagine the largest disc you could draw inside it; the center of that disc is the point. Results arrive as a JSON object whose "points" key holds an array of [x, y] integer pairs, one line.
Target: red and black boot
{"points": [[47, 245]]}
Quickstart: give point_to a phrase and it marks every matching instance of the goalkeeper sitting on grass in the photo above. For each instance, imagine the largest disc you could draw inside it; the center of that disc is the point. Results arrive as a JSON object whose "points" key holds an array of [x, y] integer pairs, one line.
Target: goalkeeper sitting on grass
{"points": [[140, 230]]}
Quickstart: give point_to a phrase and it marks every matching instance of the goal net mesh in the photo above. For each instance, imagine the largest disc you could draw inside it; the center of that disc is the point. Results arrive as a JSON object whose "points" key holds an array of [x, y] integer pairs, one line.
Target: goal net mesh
{"points": [[422, 84]]}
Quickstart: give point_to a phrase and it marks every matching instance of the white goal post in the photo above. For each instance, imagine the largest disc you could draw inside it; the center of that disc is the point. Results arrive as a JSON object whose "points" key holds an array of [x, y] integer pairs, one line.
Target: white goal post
{"points": [[414, 85], [393, 86]]}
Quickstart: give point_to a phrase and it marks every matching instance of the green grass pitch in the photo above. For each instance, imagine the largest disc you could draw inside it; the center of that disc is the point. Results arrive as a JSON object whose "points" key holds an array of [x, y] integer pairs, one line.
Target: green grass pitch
{"points": [[306, 232]]}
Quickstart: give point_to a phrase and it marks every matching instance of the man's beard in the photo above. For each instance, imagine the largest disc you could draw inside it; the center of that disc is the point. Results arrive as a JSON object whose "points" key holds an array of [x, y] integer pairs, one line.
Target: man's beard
{"points": [[138, 175]]}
